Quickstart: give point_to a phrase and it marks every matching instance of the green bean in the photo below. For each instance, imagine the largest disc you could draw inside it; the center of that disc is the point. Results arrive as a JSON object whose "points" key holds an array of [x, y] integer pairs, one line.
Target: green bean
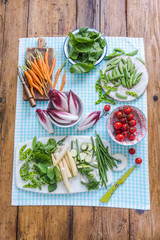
{"points": [[97, 84], [78, 153], [134, 72], [121, 96], [110, 88], [109, 76], [102, 76], [132, 94], [131, 82], [111, 61], [123, 60], [120, 68], [106, 78], [93, 146], [100, 91], [109, 68], [119, 50], [138, 80], [118, 83], [117, 71], [113, 73], [129, 64], [126, 74], [113, 55], [132, 53], [108, 100], [99, 100], [123, 82], [116, 62], [136, 77], [140, 60], [71, 144], [131, 69], [117, 76]]}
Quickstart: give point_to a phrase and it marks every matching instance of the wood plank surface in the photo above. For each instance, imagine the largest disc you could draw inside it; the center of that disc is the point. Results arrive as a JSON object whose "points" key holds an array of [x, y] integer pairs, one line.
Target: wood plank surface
{"points": [[12, 27], [40, 18], [143, 19]]}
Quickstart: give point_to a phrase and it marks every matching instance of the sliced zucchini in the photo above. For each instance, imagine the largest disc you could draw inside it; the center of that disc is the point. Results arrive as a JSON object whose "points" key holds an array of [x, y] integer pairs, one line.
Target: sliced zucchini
{"points": [[73, 152], [82, 156], [88, 159], [89, 147], [84, 146]]}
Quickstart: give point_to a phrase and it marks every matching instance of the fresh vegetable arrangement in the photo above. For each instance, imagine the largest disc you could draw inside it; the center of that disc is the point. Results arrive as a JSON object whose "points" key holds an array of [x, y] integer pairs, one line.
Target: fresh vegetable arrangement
{"points": [[86, 47], [125, 126], [120, 71]]}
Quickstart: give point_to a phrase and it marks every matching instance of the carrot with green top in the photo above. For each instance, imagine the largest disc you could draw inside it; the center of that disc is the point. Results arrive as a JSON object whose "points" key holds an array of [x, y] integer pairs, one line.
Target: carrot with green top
{"points": [[57, 75], [63, 81], [53, 65], [36, 69]]}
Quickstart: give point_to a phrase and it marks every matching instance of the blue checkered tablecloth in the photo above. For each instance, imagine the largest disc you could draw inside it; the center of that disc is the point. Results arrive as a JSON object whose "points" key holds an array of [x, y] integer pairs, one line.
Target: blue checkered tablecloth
{"points": [[134, 193]]}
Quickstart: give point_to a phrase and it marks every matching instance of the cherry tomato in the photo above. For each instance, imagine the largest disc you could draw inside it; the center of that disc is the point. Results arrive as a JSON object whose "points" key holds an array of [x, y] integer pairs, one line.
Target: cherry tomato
{"points": [[124, 127], [107, 108], [119, 115], [132, 151], [118, 131], [122, 120], [125, 133], [120, 137], [132, 129], [118, 125], [138, 160], [132, 122], [132, 136], [127, 110], [130, 116]]}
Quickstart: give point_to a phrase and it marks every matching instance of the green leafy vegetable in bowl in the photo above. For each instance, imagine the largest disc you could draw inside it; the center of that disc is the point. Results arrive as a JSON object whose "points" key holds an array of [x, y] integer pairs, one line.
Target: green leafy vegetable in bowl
{"points": [[85, 48]]}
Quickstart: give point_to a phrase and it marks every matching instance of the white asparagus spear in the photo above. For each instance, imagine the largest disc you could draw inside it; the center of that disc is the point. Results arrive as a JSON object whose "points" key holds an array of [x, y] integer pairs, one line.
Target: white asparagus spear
{"points": [[72, 163], [54, 160], [62, 153], [65, 179], [69, 175], [68, 162]]}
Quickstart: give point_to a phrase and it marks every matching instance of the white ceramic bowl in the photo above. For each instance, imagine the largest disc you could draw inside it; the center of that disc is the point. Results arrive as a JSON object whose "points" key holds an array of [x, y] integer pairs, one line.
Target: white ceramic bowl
{"points": [[66, 47], [67, 125], [141, 126]]}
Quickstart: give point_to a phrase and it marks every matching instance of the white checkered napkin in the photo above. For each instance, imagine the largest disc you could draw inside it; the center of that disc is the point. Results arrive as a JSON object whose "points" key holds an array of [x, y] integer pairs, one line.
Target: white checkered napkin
{"points": [[134, 193]]}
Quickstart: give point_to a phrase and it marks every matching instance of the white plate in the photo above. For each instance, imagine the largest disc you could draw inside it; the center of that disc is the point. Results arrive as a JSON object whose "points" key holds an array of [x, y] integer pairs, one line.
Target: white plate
{"points": [[139, 88], [75, 182]]}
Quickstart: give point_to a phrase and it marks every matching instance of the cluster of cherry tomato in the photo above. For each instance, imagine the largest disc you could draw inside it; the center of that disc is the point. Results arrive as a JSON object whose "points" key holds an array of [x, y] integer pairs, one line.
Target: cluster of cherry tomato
{"points": [[125, 127]]}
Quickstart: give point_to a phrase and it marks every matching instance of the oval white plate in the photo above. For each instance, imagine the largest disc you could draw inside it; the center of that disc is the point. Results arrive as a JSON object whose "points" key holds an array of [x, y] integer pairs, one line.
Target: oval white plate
{"points": [[139, 88], [74, 182]]}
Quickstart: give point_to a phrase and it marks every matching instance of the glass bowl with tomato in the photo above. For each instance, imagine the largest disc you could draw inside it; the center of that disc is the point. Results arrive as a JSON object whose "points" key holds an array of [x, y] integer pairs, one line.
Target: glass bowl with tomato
{"points": [[127, 125]]}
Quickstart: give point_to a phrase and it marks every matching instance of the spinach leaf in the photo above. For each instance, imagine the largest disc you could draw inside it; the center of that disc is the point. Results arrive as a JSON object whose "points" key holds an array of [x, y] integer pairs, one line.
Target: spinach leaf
{"points": [[25, 154], [84, 47], [57, 174], [22, 149], [52, 141], [41, 157], [83, 29], [30, 185], [50, 173], [102, 42], [45, 179], [83, 39], [41, 168], [52, 187], [81, 68], [73, 53], [93, 34]]}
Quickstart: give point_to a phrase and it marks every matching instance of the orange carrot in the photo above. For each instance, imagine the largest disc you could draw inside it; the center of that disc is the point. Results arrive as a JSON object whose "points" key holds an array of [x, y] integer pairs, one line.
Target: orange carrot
{"points": [[37, 70], [32, 91], [46, 59], [36, 78], [31, 82], [63, 81], [53, 65], [47, 73], [57, 75]]}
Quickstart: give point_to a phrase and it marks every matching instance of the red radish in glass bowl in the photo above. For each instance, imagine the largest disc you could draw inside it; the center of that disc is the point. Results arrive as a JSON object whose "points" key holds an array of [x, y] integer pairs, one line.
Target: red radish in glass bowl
{"points": [[141, 126]]}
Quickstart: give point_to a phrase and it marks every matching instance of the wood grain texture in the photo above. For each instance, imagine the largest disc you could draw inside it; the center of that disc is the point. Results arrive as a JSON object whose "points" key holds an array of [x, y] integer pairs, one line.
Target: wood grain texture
{"points": [[48, 18], [143, 19], [12, 27]]}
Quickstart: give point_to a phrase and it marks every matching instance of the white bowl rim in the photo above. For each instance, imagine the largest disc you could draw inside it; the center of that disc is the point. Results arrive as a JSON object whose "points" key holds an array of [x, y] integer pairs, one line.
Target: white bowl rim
{"points": [[132, 143], [90, 29], [70, 124]]}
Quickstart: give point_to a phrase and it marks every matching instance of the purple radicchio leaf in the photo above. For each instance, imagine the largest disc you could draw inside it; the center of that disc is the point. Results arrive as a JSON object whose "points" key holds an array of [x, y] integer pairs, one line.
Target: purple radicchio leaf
{"points": [[44, 120], [59, 100], [89, 121], [73, 103], [61, 117]]}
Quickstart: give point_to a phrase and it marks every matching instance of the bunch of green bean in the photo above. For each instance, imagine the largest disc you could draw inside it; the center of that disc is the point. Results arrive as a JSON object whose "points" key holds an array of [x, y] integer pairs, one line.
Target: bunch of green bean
{"points": [[104, 159]]}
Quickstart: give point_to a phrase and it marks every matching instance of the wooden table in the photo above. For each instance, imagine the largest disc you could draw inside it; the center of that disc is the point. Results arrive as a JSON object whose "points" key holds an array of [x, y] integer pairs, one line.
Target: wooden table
{"points": [[34, 18]]}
